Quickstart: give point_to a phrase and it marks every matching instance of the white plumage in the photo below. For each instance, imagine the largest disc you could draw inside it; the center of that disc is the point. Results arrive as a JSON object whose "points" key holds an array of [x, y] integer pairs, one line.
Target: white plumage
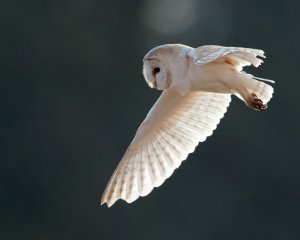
{"points": [[197, 85]]}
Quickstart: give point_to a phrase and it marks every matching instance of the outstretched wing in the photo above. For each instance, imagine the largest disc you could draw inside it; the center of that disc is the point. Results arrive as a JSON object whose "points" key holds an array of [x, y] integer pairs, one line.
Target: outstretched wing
{"points": [[237, 56], [172, 129]]}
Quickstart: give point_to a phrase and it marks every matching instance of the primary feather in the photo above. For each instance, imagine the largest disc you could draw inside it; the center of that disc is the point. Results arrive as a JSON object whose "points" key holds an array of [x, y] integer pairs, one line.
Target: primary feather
{"points": [[172, 130]]}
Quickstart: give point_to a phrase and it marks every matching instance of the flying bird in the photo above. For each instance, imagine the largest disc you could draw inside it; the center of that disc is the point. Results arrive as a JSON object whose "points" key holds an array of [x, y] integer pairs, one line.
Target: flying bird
{"points": [[197, 85]]}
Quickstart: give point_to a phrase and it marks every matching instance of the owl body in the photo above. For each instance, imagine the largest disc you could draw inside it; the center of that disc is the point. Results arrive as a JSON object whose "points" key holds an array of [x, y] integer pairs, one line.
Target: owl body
{"points": [[184, 74], [208, 68], [203, 78], [197, 85]]}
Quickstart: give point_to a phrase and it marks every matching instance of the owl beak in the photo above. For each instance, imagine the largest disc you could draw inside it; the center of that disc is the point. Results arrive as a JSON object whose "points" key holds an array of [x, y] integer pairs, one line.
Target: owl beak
{"points": [[155, 84]]}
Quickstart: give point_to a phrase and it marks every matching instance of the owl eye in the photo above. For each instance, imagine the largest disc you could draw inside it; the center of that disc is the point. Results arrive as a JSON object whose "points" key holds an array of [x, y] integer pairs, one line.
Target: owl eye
{"points": [[155, 70]]}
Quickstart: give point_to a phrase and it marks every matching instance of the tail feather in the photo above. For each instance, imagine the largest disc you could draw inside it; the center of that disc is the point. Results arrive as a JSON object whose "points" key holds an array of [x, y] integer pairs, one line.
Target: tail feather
{"points": [[264, 91], [253, 89]]}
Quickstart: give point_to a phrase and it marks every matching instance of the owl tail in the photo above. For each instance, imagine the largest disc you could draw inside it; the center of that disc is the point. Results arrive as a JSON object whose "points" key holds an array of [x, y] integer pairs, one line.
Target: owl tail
{"points": [[253, 91]]}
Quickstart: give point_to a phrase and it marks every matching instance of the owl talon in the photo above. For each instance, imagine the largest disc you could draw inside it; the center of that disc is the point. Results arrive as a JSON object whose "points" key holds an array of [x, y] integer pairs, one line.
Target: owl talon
{"points": [[256, 103]]}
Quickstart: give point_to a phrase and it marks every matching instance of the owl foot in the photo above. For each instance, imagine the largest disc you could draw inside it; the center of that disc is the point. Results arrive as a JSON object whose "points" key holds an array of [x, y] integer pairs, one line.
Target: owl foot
{"points": [[255, 103]]}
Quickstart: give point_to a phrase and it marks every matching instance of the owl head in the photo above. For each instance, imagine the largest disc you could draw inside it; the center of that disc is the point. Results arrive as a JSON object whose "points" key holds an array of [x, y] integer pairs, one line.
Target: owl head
{"points": [[161, 63]]}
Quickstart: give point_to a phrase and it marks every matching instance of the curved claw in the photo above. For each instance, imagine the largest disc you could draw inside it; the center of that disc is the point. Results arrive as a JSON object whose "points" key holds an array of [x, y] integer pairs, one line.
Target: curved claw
{"points": [[256, 103]]}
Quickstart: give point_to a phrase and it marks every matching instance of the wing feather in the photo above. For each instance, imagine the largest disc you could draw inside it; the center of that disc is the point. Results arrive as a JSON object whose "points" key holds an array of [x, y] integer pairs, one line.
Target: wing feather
{"points": [[172, 129], [159, 169], [237, 56]]}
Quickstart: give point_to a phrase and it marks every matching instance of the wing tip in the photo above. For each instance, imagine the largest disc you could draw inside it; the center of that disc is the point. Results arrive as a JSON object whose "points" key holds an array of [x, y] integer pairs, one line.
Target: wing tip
{"points": [[108, 202]]}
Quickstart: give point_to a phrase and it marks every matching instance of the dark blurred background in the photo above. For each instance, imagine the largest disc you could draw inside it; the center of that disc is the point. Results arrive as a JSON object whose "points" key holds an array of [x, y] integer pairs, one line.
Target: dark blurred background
{"points": [[72, 96]]}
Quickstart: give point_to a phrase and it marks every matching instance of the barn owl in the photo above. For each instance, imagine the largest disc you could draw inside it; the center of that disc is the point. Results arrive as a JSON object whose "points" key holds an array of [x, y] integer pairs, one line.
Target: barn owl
{"points": [[197, 85]]}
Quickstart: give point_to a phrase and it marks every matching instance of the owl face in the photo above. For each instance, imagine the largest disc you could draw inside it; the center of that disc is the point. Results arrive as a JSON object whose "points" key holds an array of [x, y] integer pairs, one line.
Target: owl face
{"points": [[156, 73], [165, 65]]}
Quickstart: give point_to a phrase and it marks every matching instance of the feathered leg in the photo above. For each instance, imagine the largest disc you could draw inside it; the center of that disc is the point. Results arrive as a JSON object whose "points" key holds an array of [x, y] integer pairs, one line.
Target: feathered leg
{"points": [[254, 93]]}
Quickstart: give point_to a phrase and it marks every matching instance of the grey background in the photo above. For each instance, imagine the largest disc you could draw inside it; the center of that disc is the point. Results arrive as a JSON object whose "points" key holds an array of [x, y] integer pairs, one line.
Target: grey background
{"points": [[72, 96]]}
